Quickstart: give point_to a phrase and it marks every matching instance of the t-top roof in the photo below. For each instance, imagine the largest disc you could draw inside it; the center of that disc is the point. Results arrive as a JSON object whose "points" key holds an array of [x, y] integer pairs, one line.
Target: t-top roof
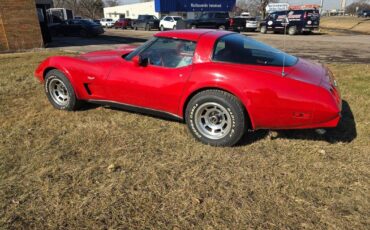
{"points": [[190, 34]]}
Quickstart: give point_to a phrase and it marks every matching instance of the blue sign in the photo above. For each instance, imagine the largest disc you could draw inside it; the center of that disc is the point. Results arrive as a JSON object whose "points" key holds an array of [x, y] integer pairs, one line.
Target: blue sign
{"points": [[193, 5]]}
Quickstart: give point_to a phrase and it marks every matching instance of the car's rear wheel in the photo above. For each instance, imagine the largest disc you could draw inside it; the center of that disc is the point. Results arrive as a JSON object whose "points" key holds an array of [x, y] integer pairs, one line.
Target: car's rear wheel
{"points": [[292, 30], [216, 118], [263, 29], [60, 92]]}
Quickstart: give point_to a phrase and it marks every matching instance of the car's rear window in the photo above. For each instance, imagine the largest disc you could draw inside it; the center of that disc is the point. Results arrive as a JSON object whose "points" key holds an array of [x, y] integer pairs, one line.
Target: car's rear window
{"points": [[239, 49]]}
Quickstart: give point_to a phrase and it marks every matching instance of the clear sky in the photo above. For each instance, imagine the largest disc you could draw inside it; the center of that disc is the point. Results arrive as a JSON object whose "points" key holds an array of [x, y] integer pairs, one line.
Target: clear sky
{"points": [[328, 4]]}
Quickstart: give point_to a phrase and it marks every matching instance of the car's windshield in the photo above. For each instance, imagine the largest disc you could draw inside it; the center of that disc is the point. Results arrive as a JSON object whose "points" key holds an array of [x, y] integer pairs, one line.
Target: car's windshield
{"points": [[239, 49], [149, 17], [87, 22], [176, 18]]}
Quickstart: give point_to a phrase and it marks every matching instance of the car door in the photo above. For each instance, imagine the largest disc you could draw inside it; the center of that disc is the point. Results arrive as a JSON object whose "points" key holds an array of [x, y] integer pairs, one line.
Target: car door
{"points": [[166, 22], [169, 23], [217, 20], [280, 19], [203, 20], [159, 85]]}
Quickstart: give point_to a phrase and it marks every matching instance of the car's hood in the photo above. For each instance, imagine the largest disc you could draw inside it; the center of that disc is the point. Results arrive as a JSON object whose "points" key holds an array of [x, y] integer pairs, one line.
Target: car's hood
{"points": [[107, 55]]}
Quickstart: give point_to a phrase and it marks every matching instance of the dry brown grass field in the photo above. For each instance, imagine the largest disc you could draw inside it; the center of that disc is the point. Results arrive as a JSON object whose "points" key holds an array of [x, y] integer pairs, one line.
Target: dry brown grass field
{"points": [[351, 24], [102, 168]]}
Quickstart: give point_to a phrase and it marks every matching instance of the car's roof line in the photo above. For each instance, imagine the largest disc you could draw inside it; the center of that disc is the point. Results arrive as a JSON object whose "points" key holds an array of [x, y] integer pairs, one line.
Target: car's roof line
{"points": [[191, 35]]}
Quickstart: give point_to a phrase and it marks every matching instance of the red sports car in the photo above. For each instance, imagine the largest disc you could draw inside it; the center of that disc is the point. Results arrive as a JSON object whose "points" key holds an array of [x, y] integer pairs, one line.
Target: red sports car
{"points": [[220, 83]]}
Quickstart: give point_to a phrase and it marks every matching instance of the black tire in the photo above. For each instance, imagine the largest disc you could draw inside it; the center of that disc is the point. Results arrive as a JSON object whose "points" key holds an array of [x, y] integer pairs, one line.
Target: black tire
{"points": [[236, 117], [263, 29], [57, 76]]}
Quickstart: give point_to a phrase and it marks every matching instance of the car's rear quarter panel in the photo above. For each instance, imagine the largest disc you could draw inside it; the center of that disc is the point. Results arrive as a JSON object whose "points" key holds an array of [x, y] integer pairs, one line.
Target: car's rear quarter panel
{"points": [[271, 101]]}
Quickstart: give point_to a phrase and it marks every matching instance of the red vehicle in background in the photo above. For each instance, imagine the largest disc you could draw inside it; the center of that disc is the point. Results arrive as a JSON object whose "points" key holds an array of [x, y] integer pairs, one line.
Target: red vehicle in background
{"points": [[220, 83], [123, 23]]}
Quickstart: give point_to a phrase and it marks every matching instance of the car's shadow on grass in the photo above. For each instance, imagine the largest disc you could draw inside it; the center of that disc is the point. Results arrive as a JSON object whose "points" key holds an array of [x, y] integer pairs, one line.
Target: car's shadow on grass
{"points": [[344, 132]]}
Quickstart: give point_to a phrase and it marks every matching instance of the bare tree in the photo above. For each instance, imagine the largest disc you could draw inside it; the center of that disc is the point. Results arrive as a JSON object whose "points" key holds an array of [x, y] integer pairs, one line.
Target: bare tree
{"points": [[73, 5], [358, 5], [86, 8], [91, 8], [255, 7], [111, 3]]}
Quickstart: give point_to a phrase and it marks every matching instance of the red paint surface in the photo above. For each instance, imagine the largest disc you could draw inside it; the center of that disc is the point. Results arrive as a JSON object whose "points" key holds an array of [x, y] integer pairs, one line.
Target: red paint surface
{"points": [[305, 98]]}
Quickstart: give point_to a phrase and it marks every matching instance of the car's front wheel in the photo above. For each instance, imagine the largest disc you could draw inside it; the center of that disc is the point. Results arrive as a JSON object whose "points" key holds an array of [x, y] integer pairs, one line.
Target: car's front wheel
{"points": [[216, 118], [60, 92]]}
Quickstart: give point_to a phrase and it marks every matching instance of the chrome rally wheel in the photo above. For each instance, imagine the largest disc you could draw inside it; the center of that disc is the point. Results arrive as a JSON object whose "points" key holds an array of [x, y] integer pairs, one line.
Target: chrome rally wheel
{"points": [[58, 92], [216, 117], [213, 120]]}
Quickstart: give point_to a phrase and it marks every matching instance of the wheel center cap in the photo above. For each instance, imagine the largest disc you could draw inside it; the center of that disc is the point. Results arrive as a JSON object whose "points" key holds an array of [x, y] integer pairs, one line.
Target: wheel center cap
{"points": [[215, 119]]}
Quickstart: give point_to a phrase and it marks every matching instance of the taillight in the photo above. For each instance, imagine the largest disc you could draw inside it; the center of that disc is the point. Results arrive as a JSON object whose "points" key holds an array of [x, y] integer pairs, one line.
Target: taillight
{"points": [[231, 22]]}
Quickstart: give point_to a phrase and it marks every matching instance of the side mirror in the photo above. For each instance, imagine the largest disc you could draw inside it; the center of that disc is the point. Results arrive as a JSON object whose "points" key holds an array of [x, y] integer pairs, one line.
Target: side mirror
{"points": [[139, 61]]}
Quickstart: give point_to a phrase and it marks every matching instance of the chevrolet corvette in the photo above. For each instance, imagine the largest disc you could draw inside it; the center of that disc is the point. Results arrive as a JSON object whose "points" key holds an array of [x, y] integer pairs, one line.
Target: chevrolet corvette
{"points": [[219, 83]]}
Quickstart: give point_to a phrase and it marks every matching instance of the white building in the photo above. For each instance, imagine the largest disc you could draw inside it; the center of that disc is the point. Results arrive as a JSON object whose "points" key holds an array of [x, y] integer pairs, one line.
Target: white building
{"points": [[130, 10]]}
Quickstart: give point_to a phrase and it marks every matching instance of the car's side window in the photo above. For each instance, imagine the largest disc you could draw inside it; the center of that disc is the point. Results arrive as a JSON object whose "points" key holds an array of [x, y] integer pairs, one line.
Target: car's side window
{"points": [[204, 16], [171, 53]]}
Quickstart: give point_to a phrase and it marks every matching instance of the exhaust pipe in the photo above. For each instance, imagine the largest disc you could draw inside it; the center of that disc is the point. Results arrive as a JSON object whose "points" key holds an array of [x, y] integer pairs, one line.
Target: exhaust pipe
{"points": [[320, 131]]}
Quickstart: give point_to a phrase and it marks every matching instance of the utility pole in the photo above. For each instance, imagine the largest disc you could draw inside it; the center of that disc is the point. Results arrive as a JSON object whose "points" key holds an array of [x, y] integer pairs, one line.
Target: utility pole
{"points": [[322, 6], [343, 6]]}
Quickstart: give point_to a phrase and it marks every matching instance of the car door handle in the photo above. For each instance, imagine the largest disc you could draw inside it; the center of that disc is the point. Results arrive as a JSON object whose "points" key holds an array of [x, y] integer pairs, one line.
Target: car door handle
{"points": [[90, 78]]}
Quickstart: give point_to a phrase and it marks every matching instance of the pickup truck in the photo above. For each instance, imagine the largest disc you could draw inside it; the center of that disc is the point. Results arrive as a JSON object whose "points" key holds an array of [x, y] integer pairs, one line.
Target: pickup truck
{"points": [[244, 23], [210, 20], [146, 22], [295, 21]]}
